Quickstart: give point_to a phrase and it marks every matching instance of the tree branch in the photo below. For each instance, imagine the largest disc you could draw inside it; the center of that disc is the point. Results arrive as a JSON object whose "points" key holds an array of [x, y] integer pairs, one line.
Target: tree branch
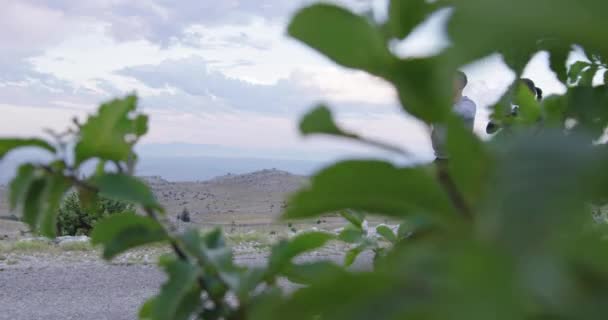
{"points": [[446, 181]]}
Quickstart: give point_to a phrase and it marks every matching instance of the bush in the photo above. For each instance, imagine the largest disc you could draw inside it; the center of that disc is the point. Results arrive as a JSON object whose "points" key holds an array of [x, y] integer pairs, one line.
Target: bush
{"points": [[73, 219]]}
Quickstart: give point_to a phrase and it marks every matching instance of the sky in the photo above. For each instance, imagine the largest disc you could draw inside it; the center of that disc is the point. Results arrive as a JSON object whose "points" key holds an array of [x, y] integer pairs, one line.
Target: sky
{"points": [[213, 73]]}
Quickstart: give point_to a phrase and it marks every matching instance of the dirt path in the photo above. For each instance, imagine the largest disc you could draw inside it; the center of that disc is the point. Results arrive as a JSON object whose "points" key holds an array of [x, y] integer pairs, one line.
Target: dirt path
{"points": [[86, 290], [81, 291]]}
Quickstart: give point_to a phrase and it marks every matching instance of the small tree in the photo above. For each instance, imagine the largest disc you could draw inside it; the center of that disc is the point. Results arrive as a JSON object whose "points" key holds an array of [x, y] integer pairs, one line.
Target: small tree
{"points": [[184, 216], [74, 219]]}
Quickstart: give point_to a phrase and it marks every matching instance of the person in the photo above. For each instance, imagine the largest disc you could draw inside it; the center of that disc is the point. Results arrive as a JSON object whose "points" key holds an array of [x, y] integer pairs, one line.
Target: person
{"points": [[463, 107], [493, 127]]}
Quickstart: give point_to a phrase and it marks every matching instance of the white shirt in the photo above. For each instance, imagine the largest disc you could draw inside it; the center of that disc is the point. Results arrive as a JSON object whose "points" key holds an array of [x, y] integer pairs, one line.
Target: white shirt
{"points": [[465, 109]]}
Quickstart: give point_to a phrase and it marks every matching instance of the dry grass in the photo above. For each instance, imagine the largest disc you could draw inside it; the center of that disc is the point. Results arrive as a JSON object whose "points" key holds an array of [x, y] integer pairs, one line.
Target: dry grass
{"points": [[43, 246]]}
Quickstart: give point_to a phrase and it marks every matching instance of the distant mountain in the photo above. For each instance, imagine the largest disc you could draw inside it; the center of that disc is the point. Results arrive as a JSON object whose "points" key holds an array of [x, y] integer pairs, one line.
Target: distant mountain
{"points": [[176, 167], [205, 168]]}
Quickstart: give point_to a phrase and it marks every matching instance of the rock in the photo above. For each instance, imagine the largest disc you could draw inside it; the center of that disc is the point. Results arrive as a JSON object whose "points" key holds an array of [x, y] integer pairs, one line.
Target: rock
{"points": [[36, 239], [71, 239]]}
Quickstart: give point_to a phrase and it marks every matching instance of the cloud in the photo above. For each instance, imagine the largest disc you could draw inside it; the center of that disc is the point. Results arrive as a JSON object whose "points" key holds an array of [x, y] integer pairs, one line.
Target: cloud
{"points": [[26, 28], [160, 21], [192, 79]]}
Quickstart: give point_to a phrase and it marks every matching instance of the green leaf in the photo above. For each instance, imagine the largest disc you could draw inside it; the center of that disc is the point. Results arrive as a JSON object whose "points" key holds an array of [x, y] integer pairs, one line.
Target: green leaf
{"points": [[178, 296], [387, 233], [141, 125], [188, 306], [424, 86], [211, 250], [320, 121], [372, 186], [33, 205], [405, 15], [539, 185], [574, 73], [55, 189], [285, 251], [555, 108], [588, 75], [469, 164], [558, 55], [352, 254], [351, 235], [124, 231], [19, 185], [126, 188], [348, 39], [105, 134], [500, 25], [312, 272], [529, 108], [589, 107], [354, 217], [250, 280], [9, 144]]}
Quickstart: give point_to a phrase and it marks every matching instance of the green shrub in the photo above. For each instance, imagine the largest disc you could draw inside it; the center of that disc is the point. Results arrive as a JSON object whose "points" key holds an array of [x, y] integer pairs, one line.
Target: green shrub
{"points": [[73, 219]]}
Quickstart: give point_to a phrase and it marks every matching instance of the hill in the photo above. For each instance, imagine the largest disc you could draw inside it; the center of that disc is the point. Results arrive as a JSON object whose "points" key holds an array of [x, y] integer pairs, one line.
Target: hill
{"points": [[254, 197]]}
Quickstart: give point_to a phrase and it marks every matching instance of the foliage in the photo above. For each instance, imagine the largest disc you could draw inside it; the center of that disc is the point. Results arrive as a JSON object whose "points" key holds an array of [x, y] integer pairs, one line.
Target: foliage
{"points": [[500, 232], [74, 219]]}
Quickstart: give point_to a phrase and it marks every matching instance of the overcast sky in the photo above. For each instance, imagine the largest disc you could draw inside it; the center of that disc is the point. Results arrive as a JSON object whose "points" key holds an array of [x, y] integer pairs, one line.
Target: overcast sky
{"points": [[209, 72]]}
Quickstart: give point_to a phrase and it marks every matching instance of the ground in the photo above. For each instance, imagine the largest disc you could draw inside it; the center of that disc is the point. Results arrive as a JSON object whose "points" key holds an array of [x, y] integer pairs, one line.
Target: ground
{"points": [[45, 280], [76, 285]]}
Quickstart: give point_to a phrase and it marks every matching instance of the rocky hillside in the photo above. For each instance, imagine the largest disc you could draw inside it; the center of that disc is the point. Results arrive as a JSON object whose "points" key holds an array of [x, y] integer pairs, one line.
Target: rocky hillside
{"points": [[261, 193], [248, 198]]}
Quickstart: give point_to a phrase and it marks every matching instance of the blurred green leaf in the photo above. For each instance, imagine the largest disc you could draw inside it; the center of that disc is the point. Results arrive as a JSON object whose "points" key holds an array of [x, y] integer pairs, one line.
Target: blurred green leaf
{"points": [[141, 125], [105, 134], [126, 188], [312, 272], [469, 163], [352, 254], [124, 231], [405, 15], [529, 108], [9, 144], [355, 218], [358, 296], [574, 73], [55, 189], [371, 186], [498, 25], [424, 86], [555, 108], [20, 184], [387, 233], [558, 56], [250, 280], [178, 297], [589, 107], [88, 199], [539, 184], [320, 120], [348, 39], [211, 250], [587, 76], [33, 205], [283, 252], [351, 234]]}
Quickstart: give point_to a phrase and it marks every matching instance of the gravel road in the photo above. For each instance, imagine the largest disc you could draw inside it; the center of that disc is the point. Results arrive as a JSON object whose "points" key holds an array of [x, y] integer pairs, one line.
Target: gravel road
{"points": [[85, 290]]}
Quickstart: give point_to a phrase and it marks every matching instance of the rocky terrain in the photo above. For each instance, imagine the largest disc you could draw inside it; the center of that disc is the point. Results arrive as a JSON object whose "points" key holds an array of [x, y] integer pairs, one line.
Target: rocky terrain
{"points": [[247, 199], [255, 196]]}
